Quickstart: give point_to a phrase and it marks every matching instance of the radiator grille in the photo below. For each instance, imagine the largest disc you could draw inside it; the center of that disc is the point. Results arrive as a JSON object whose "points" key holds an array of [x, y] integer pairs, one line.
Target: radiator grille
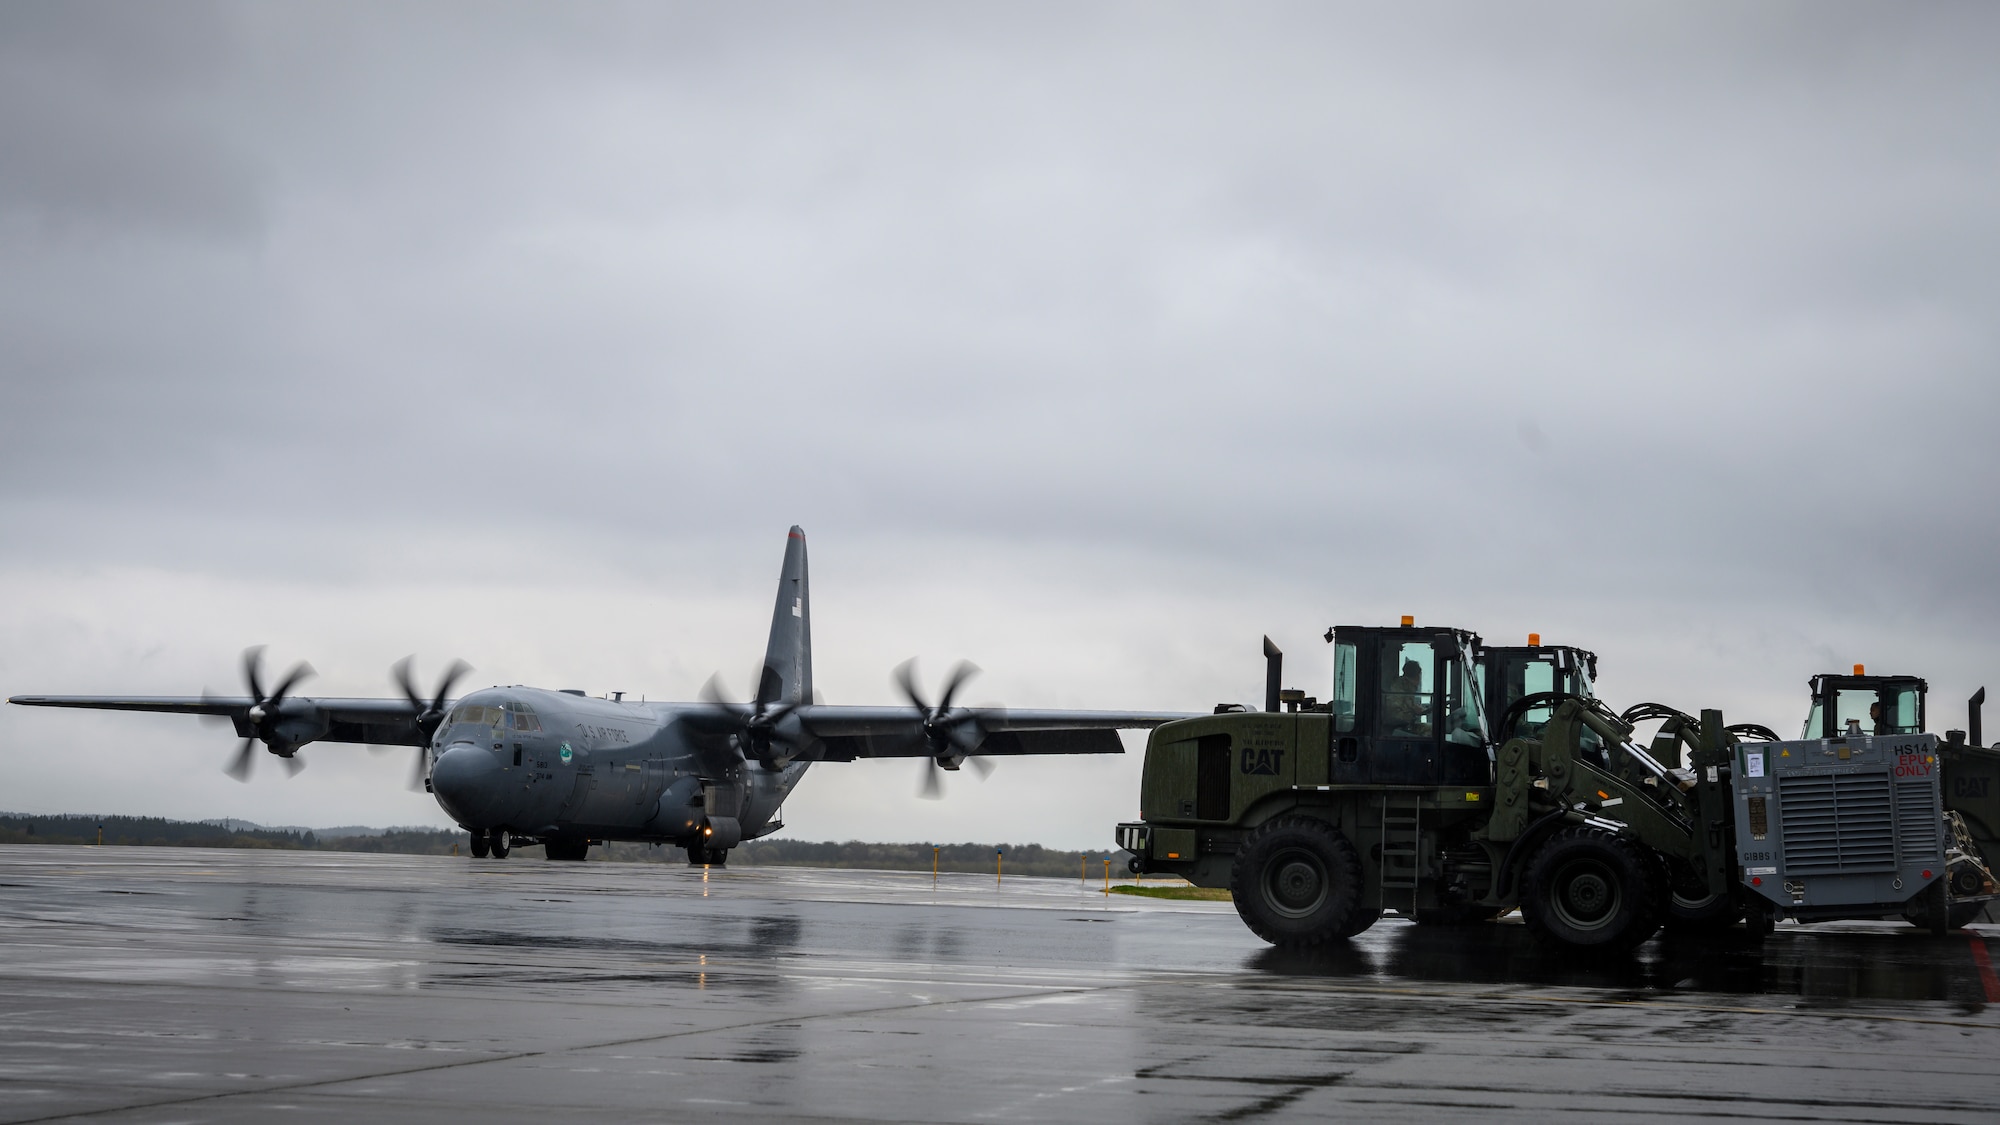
{"points": [[1920, 827], [1837, 823]]}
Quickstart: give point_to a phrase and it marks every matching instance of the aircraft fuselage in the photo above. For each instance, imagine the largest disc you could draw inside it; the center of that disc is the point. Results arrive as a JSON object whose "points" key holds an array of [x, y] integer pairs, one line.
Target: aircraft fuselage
{"points": [[540, 763]]}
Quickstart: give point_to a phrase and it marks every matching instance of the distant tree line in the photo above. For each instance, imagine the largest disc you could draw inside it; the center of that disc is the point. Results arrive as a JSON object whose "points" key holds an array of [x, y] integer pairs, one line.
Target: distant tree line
{"points": [[1019, 859], [158, 832]]}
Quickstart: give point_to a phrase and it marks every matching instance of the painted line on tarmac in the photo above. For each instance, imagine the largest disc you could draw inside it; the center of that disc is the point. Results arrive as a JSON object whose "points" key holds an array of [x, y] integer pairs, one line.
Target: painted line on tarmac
{"points": [[1986, 978]]}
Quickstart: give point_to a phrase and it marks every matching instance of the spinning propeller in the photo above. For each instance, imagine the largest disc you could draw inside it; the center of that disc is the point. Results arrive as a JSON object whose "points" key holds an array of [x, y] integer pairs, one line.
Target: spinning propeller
{"points": [[765, 730], [430, 712], [266, 715], [950, 736]]}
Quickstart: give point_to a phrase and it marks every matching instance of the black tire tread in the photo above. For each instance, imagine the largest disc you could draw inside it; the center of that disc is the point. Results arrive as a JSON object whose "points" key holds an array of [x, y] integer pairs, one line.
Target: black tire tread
{"points": [[1646, 891], [1344, 875]]}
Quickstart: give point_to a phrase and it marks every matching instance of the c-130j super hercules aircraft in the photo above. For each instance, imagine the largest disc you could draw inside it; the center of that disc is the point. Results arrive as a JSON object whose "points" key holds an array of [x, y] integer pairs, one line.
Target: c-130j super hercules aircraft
{"points": [[521, 765]]}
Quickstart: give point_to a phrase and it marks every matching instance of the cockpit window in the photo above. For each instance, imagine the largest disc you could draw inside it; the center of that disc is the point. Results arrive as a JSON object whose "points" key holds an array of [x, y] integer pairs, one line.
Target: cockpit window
{"points": [[514, 716], [522, 717]]}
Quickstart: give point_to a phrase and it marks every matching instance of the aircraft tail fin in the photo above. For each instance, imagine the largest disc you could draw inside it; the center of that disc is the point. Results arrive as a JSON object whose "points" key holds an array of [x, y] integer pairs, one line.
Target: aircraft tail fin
{"points": [[787, 674]]}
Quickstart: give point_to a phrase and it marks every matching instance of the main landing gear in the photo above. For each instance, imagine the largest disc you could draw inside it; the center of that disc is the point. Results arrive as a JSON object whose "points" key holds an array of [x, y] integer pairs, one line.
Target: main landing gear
{"points": [[494, 843]]}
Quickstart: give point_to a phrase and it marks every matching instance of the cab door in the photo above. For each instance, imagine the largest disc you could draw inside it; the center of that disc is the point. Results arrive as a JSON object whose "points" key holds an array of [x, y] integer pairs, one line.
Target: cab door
{"points": [[1408, 714]]}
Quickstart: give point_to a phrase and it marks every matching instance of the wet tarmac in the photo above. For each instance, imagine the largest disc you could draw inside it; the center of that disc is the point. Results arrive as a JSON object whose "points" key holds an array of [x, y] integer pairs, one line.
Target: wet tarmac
{"points": [[235, 986]]}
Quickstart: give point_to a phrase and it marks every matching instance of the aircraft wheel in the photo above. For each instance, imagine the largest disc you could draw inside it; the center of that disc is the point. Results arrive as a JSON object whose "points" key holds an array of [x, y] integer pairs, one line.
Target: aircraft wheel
{"points": [[697, 855], [479, 845], [1296, 882], [1587, 889], [499, 844]]}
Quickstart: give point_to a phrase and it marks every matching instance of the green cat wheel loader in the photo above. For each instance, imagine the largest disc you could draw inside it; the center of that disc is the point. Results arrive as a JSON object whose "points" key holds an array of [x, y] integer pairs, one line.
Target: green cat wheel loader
{"points": [[1392, 796]]}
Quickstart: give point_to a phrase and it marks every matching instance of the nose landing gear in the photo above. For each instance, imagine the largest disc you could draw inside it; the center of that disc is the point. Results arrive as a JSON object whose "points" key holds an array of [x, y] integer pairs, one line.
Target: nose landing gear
{"points": [[492, 843]]}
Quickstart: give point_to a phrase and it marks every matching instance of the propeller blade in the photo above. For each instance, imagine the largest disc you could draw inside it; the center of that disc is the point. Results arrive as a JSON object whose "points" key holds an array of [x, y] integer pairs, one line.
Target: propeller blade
{"points": [[931, 785], [452, 674], [714, 692], [252, 657], [417, 774], [293, 765], [960, 673], [400, 672], [906, 679], [299, 671], [239, 766], [964, 732], [981, 766]]}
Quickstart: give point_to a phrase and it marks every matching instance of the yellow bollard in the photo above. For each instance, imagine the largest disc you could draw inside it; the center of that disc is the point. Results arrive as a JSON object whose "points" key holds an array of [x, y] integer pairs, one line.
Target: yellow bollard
{"points": [[999, 862], [1107, 875], [1083, 870], [454, 847], [934, 852]]}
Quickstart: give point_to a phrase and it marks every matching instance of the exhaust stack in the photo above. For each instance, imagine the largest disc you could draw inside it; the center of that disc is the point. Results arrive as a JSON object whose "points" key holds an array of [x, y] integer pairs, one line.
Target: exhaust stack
{"points": [[1972, 716], [1274, 667]]}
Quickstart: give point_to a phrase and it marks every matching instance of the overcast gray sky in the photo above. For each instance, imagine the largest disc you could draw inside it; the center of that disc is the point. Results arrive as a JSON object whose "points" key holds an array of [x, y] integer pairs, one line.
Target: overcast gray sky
{"points": [[1088, 342]]}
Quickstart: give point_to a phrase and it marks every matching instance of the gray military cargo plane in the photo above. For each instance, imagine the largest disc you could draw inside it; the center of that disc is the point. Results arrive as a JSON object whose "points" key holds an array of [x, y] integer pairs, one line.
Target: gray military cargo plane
{"points": [[521, 765]]}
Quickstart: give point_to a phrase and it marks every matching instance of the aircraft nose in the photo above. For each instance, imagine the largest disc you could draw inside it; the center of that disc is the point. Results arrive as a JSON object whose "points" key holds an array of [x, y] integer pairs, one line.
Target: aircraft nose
{"points": [[466, 781]]}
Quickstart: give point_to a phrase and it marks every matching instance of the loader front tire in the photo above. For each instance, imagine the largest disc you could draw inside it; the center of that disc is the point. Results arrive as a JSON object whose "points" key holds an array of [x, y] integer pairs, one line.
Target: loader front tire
{"points": [[1297, 883], [1587, 889], [1703, 913]]}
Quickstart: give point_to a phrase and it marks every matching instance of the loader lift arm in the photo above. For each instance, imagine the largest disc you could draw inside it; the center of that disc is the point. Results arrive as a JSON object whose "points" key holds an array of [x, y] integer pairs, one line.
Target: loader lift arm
{"points": [[1634, 789]]}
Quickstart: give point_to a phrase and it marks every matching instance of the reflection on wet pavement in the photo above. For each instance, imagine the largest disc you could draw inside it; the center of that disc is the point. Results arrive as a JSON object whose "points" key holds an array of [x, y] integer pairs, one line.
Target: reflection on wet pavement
{"points": [[224, 986]]}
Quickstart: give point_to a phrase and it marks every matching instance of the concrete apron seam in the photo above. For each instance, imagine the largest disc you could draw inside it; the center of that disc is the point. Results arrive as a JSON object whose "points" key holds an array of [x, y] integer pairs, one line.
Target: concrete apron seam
{"points": [[515, 1056], [1664, 1005]]}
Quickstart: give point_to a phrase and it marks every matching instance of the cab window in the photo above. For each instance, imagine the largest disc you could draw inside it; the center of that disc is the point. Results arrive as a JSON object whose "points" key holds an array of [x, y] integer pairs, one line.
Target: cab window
{"points": [[1464, 705], [1345, 656], [1409, 688], [1884, 711]]}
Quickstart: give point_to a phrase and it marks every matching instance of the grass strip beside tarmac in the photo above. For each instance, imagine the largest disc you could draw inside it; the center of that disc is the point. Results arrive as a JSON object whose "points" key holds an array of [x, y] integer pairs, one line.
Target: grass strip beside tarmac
{"points": [[1185, 892]]}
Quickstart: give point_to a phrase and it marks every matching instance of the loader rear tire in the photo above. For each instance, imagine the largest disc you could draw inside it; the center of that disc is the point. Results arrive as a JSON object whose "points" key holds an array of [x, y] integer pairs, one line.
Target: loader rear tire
{"points": [[1358, 921], [1297, 882], [1590, 890]]}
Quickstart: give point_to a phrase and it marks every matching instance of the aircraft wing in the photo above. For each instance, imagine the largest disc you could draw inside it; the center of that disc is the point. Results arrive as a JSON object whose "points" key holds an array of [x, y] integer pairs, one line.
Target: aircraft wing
{"points": [[848, 733], [382, 722]]}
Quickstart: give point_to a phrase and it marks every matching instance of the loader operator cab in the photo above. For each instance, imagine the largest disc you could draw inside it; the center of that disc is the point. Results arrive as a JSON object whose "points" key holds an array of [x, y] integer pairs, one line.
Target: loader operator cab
{"points": [[1511, 673], [1874, 704], [1406, 707]]}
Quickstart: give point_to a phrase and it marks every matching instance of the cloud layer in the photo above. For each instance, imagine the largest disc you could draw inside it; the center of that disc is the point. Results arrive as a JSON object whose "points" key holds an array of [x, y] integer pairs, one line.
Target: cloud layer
{"points": [[1090, 344]]}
